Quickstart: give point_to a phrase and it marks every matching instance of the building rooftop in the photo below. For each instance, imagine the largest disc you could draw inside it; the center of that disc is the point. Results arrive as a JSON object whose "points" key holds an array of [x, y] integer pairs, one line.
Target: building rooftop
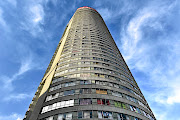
{"points": [[86, 7]]}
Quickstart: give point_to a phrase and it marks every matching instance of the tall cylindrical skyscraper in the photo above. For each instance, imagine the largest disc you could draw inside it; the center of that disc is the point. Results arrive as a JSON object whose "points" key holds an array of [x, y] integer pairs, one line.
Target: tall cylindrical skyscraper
{"points": [[87, 77]]}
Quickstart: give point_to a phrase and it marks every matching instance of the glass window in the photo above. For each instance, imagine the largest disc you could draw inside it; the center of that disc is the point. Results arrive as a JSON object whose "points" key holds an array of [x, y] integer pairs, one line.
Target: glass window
{"points": [[66, 116], [58, 105], [60, 117], [121, 116], [71, 102], [117, 94], [116, 86], [97, 82], [80, 114], [124, 106], [85, 101], [69, 116], [110, 84], [62, 104], [117, 104], [45, 109], [54, 106], [103, 114], [67, 103], [85, 74], [70, 92], [49, 98], [49, 118], [135, 118], [85, 114], [101, 91], [103, 102], [99, 114], [69, 84], [85, 82], [50, 107], [138, 110], [127, 117], [85, 91]]}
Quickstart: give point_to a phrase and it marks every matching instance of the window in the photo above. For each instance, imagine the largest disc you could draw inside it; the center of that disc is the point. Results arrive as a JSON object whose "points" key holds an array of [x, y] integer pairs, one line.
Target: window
{"points": [[85, 91], [136, 118], [57, 79], [49, 98], [118, 104], [85, 68], [100, 91], [72, 70], [85, 75], [110, 84], [85, 114], [101, 83], [102, 76], [45, 109], [116, 86], [70, 92], [116, 94], [103, 114], [66, 116], [85, 101], [85, 82], [124, 106], [103, 102], [55, 88], [134, 109], [122, 116], [49, 118], [58, 105], [53, 96], [69, 84]]}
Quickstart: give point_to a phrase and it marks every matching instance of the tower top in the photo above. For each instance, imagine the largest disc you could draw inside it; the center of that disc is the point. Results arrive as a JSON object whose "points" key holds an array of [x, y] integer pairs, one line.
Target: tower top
{"points": [[86, 7]]}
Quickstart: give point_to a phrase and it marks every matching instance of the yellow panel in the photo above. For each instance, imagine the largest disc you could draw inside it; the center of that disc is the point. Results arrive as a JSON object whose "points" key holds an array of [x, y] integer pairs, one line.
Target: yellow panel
{"points": [[48, 77], [101, 92]]}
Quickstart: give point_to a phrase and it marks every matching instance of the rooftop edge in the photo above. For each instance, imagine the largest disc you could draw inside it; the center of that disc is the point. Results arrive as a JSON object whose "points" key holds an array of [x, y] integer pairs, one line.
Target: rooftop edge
{"points": [[86, 7]]}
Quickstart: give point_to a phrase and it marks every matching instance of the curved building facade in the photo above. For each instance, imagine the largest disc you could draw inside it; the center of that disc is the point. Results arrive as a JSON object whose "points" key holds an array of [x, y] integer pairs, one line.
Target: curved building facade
{"points": [[87, 77]]}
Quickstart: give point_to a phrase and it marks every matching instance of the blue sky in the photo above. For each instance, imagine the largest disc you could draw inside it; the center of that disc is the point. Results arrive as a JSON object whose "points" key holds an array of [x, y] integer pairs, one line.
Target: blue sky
{"points": [[146, 32]]}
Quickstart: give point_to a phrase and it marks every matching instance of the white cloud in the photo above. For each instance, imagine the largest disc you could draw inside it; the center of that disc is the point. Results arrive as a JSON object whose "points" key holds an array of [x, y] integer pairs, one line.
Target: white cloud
{"points": [[13, 116], [26, 65], [133, 36], [105, 13], [161, 66], [17, 97], [34, 18], [19, 119], [2, 21], [37, 13], [175, 95]]}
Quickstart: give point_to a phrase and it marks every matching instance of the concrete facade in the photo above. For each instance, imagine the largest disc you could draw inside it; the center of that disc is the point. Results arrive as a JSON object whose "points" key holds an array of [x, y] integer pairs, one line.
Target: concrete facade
{"points": [[87, 77]]}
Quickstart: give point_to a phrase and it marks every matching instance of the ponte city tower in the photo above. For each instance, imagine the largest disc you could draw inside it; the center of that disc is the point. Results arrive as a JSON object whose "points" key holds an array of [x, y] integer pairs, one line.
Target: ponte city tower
{"points": [[87, 77]]}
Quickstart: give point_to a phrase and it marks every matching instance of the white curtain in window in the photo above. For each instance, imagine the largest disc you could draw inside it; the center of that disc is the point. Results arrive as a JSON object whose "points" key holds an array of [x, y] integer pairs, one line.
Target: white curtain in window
{"points": [[110, 115], [60, 117], [99, 114], [49, 118], [86, 114], [58, 105], [69, 116], [54, 106], [71, 103], [62, 104], [67, 103]]}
